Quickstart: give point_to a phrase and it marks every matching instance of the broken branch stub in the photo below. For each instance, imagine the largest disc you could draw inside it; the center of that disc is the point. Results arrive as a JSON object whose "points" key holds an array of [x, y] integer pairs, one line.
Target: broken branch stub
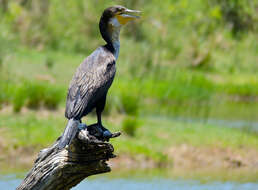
{"points": [[56, 169]]}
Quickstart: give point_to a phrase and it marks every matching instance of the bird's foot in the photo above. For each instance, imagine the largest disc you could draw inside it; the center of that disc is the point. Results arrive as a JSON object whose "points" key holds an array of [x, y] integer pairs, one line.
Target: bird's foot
{"points": [[106, 134], [101, 133], [82, 126]]}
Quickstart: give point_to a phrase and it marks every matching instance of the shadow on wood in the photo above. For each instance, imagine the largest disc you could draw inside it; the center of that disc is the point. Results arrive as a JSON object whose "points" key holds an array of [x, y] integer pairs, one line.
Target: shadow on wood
{"points": [[56, 169]]}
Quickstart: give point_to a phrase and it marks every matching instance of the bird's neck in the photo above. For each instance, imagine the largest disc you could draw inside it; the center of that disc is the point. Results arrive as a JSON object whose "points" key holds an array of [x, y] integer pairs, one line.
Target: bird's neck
{"points": [[115, 42], [110, 31]]}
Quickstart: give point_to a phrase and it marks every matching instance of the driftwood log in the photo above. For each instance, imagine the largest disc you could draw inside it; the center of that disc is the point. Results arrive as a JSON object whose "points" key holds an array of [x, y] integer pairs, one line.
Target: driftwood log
{"points": [[56, 169]]}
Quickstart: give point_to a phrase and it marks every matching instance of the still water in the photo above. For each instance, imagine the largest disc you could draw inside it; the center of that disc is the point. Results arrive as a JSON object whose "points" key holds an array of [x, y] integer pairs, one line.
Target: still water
{"points": [[9, 182]]}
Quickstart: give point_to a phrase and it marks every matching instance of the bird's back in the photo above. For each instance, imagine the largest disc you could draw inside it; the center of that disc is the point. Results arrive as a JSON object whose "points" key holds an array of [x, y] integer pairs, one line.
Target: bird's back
{"points": [[90, 82]]}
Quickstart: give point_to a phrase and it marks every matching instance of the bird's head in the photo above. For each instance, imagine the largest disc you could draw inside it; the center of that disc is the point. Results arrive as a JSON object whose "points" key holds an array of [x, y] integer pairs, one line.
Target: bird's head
{"points": [[113, 18], [119, 14]]}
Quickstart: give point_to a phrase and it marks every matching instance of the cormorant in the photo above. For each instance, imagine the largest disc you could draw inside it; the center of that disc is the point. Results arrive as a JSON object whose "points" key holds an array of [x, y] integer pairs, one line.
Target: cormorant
{"points": [[90, 83]]}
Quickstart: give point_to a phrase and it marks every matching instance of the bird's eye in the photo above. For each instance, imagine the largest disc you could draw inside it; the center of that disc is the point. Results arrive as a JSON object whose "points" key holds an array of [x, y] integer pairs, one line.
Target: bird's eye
{"points": [[121, 11]]}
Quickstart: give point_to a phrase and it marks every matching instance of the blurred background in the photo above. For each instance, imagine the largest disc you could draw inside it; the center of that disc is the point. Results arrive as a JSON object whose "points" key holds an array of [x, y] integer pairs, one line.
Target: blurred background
{"points": [[185, 94]]}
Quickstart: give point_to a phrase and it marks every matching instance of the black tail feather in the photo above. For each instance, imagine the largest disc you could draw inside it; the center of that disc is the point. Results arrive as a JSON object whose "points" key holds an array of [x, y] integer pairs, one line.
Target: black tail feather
{"points": [[69, 133]]}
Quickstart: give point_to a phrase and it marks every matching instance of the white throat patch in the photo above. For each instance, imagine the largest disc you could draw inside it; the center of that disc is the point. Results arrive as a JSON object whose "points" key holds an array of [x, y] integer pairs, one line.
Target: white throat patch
{"points": [[115, 22], [115, 31]]}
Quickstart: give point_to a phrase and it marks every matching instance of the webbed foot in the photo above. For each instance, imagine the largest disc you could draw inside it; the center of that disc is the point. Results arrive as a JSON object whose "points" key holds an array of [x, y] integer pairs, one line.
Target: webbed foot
{"points": [[108, 135], [101, 133], [82, 126]]}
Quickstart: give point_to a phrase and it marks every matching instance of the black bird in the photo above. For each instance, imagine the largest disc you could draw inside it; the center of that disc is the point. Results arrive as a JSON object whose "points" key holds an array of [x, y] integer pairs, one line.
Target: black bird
{"points": [[89, 86]]}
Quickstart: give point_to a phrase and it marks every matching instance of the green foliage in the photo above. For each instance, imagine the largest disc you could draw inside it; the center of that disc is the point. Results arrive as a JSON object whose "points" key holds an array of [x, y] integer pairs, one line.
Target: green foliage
{"points": [[19, 98], [243, 90], [110, 106], [180, 86], [130, 125], [49, 63], [2, 98], [46, 24], [30, 130], [1, 62], [36, 94], [172, 61], [4, 87], [52, 97], [241, 15], [185, 33], [129, 104]]}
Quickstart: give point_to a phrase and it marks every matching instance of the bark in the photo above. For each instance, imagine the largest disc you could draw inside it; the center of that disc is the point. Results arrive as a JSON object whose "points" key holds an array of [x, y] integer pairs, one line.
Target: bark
{"points": [[56, 169]]}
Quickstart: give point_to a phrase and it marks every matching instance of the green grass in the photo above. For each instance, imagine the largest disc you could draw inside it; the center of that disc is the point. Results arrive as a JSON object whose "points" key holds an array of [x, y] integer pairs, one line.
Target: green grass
{"points": [[173, 91], [130, 126], [32, 94], [29, 130], [31, 64], [198, 134], [153, 138]]}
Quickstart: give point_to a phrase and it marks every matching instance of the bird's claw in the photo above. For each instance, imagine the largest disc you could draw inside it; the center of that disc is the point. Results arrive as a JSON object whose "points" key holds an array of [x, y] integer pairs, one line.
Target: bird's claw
{"points": [[116, 134], [113, 135], [108, 135]]}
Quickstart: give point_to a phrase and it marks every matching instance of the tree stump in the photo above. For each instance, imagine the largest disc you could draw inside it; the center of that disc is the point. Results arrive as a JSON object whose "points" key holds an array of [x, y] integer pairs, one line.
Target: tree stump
{"points": [[56, 169]]}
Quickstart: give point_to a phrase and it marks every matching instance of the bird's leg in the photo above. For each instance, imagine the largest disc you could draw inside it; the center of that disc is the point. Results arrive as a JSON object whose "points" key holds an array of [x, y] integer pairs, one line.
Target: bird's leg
{"points": [[99, 108], [105, 132]]}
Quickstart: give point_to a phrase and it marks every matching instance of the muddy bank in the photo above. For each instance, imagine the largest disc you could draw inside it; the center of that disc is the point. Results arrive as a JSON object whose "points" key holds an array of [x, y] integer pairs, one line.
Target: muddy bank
{"points": [[187, 156], [181, 157]]}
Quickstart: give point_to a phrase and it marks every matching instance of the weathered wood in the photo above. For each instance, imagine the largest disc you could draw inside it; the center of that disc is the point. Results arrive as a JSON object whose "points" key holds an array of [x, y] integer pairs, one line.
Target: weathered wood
{"points": [[56, 169]]}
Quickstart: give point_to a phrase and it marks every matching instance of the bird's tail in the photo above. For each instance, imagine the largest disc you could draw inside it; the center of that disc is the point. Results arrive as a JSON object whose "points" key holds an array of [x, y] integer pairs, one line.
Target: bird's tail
{"points": [[69, 133]]}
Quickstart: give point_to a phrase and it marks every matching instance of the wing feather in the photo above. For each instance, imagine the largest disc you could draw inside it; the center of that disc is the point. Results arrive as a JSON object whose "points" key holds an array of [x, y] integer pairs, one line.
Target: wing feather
{"points": [[90, 82]]}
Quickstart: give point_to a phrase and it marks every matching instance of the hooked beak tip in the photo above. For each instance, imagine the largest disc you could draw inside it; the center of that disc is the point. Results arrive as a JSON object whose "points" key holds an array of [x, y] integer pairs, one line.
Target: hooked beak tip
{"points": [[131, 12]]}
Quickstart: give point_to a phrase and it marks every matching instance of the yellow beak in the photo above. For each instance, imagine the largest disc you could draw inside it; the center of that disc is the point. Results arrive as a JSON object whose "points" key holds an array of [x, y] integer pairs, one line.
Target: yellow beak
{"points": [[127, 16]]}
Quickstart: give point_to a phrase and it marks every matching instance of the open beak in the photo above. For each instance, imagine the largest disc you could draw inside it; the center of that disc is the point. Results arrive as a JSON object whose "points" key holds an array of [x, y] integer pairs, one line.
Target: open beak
{"points": [[127, 16], [131, 13]]}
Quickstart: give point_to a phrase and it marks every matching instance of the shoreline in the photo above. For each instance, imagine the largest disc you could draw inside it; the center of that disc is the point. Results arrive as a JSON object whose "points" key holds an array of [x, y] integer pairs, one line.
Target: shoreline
{"points": [[184, 164], [177, 148]]}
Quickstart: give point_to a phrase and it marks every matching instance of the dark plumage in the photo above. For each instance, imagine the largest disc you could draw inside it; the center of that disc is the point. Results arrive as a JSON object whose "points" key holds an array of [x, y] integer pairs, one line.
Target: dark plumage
{"points": [[93, 78], [90, 84]]}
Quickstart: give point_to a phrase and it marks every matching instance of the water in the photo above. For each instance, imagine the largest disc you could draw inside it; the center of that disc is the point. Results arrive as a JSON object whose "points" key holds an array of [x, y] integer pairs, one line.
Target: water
{"points": [[240, 124], [251, 126], [162, 184], [9, 182]]}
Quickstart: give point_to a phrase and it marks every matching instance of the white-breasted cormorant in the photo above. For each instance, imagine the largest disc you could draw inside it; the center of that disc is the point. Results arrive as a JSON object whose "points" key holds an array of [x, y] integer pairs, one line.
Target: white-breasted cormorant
{"points": [[90, 83]]}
